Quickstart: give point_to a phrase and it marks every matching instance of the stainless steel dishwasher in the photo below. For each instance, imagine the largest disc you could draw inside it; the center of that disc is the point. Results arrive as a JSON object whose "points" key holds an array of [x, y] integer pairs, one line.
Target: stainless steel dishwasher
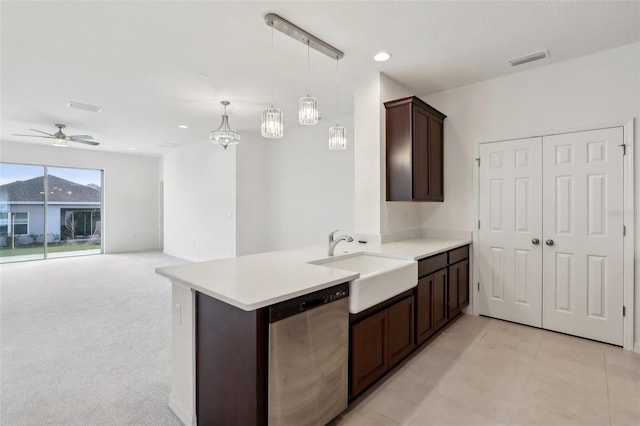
{"points": [[308, 358]]}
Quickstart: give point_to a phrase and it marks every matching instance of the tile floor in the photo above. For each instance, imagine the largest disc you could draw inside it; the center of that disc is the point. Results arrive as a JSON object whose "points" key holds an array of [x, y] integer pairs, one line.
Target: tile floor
{"points": [[481, 371]]}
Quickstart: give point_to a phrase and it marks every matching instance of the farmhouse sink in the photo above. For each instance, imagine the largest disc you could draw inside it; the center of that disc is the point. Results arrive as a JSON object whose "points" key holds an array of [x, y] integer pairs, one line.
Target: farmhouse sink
{"points": [[381, 277]]}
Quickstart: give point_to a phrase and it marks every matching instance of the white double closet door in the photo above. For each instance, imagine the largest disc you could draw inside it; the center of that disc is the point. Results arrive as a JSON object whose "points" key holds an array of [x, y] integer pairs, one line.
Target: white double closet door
{"points": [[551, 232]]}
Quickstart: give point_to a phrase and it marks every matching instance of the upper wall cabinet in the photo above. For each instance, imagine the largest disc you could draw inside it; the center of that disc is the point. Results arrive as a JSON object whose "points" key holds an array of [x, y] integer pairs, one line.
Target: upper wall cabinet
{"points": [[414, 151]]}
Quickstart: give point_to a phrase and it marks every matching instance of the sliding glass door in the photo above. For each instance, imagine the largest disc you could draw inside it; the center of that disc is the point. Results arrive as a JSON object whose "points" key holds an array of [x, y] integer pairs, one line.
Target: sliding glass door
{"points": [[49, 212], [74, 208], [22, 219]]}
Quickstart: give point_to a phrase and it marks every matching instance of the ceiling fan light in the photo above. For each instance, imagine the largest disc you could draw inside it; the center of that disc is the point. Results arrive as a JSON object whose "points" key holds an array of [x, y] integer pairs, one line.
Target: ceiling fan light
{"points": [[60, 142]]}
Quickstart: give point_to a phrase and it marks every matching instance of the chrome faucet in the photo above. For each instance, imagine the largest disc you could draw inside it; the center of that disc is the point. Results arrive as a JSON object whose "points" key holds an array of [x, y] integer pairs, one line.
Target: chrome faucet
{"points": [[333, 242]]}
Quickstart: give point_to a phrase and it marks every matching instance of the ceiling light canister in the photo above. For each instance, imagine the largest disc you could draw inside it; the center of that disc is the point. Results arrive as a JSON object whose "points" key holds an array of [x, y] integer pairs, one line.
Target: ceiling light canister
{"points": [[272, 127], [308, 110], [337, 138], [223, 135]]}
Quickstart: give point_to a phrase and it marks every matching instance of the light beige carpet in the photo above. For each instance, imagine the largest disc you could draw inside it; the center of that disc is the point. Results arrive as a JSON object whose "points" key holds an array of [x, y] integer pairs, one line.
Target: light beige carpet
{"points": [[86, 341]]}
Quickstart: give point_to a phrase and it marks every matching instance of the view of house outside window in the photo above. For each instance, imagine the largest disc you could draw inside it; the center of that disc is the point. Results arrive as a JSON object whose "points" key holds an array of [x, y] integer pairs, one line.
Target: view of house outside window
{"points": [[49, 212]]}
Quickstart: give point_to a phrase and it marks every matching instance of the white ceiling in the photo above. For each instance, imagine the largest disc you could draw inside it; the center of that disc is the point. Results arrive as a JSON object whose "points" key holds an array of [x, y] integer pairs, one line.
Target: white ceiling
{"points": [[143, 61]]}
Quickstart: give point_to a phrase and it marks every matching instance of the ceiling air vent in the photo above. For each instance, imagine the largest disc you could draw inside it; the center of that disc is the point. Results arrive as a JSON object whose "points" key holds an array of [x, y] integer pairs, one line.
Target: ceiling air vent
{"points": [[85, 107], [529, 58]]}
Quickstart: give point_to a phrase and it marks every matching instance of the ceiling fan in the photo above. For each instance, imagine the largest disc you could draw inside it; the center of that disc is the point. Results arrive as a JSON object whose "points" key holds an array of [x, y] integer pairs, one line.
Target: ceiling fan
{"points": [[60, 139]]}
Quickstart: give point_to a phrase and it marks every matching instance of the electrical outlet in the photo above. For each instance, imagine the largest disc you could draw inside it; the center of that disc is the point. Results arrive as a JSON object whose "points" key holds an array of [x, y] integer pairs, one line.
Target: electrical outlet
{"points": [[177, 313]]}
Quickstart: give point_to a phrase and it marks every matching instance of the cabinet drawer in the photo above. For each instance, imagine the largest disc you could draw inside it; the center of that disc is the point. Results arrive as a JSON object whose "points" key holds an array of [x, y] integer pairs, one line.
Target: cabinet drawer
{"points": [[432, 264], [458, 254]]}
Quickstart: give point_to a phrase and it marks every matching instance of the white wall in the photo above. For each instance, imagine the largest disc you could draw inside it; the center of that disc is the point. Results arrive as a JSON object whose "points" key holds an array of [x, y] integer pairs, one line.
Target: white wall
{"points": [[131, 190], [251, 195], [309, 188], [374, 216], [200, 202], [593, 90], [258, 196]]}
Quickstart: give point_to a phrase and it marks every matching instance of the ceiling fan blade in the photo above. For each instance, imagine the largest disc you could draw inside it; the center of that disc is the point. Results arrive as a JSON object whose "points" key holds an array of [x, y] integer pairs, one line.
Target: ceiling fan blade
{"points": [[80, 137], [92, 143], [34, 136], [40, 131]]}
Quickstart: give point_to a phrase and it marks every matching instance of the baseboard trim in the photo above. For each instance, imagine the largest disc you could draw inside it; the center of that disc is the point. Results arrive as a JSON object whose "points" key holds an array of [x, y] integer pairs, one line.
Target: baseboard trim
{"points": [[181, 413], [636, 348]]}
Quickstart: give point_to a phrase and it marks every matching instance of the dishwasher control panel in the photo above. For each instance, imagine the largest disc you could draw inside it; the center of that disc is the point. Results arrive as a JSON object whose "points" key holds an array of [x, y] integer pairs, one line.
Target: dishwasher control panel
{"points": [[307, 302]]}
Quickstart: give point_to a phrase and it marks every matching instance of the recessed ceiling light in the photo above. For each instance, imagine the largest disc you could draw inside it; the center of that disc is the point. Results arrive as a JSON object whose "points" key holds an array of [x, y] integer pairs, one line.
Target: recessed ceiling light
{"points": [[382, 56], [183, 126], [132, 148]]}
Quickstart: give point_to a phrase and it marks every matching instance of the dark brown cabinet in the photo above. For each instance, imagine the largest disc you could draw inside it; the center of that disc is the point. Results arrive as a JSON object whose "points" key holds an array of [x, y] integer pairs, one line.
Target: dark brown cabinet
{"points": [[369, 359], [414, 151], [431, 304], [400, 330], [442, 291], [380, 341], [458, 287]]}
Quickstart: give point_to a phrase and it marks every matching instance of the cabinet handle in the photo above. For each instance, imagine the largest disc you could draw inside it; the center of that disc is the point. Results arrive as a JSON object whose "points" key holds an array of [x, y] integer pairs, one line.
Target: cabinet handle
{"points": [[549, 242], [535, 241]]}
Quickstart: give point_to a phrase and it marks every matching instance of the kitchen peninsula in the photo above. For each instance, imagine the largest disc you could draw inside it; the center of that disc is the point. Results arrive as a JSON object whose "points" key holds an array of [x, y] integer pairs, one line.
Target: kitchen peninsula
{"points": [[223, 306]]}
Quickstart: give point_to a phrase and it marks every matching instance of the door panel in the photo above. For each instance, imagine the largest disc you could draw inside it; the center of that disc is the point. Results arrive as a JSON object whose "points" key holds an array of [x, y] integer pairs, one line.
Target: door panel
{"points": [[583, 272], [511, 217]]}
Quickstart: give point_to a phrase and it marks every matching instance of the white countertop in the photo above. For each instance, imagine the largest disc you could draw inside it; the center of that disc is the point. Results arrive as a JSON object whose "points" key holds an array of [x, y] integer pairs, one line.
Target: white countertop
{"points": [[255, 281]]}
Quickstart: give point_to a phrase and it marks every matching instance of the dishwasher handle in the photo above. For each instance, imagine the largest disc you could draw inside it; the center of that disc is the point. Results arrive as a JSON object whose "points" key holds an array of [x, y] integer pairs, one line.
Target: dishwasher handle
{"points": [[307, 302], [310, 304]]}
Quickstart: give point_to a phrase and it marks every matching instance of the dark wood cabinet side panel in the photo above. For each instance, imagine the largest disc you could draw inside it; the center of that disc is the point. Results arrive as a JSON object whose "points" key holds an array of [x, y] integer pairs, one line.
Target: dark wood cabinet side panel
{"points": [[463, 284], [439, 307], [399, 153], [368, 351], [421, 155], [231, 356], [401, 330], [454, 283], [424, 316], [435, 166]]}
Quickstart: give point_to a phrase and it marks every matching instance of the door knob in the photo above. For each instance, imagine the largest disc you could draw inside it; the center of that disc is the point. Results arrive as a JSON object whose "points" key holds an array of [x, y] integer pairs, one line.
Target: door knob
{"points": [[535, 241], [549, 242]]}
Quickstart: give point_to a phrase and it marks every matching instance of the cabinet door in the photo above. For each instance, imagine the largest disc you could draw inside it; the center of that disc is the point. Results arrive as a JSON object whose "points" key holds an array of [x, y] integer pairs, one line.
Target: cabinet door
{"points": [[424, 316], [369, 358], [436, 161], [439, 301], [401, 325], [420, 164]]}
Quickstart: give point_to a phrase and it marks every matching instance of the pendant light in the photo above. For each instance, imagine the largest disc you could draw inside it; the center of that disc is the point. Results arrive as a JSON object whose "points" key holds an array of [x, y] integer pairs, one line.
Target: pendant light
{"points": [[308, 106], [272, 127], [337, 133], [223, 135]]}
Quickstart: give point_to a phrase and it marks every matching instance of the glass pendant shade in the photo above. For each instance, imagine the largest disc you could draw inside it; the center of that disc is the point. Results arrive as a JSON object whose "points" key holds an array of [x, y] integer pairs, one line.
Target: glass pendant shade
{"points": [[337, 138], [272, 123], [308, 111], [223, 135], [60, 142]]}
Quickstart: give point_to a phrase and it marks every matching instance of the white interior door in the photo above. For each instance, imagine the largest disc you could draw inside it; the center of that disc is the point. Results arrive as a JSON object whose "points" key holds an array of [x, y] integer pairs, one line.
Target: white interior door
{"points": [[510, 250], [583, 201]]}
